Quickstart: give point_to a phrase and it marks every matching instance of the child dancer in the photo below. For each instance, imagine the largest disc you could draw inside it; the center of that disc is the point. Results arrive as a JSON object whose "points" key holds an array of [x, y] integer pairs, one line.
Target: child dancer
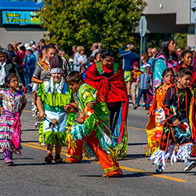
{"points": [[177, 129], [12, 103], [154, 127], [92, 125], [53, 95]]}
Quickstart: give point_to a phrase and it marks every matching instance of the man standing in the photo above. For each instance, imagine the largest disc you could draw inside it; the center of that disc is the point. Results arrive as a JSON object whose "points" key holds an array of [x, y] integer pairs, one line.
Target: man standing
{"points": [[6, 67], [129, 57]]}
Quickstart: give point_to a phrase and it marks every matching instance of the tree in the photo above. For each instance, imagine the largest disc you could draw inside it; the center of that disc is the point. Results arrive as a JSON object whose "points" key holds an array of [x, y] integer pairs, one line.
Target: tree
{"points": [[180, 40], [84, 22]]}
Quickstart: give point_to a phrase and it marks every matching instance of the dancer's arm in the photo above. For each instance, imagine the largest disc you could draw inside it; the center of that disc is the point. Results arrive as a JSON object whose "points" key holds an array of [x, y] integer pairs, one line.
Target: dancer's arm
{"points": [[40, 107]]}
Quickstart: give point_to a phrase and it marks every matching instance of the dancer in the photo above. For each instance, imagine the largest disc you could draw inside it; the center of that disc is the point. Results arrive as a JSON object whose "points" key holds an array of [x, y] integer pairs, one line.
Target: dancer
{"points": [[41, 74], [93, 126], [53, 95], [187, 60], [107, 78], [12, 103], [177, 128], [154, 127]]}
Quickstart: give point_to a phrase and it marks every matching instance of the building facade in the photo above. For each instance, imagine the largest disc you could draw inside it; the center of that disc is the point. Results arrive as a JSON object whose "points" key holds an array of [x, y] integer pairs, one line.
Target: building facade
{"points": [[20, 21], [170, 16]]}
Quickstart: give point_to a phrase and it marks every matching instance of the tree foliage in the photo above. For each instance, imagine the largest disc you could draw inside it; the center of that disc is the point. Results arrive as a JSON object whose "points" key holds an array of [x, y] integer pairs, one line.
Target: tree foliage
{"points": [[83, 22], [180, 40]]}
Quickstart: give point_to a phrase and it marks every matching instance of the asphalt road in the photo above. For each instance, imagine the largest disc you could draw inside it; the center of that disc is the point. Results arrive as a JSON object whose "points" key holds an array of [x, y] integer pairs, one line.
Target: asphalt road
{"points": [[31, 176]]}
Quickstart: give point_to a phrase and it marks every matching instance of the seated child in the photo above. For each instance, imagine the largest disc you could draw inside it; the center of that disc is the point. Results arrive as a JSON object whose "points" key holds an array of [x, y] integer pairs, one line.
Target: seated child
{"points": [[93, 125]]}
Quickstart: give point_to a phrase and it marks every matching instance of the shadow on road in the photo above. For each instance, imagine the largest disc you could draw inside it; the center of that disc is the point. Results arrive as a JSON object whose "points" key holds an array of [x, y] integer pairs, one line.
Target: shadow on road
{"points": [[133, 156], [135, 144], [30, 130], [26, 141], [132, 175], [23, 158]]}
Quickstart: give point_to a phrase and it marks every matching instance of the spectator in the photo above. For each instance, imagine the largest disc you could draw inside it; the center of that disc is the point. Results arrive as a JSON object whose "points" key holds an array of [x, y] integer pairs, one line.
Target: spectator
{"points": [[80, 59], [6, 67], [66, 68], [30, 66], [150, 56], [94, 49], [21, 55], [144, 61], [97, 57], [31, 43], [10, 50], [74, 49], [134, 85], [35, 51], [167, 58], [154, 52], [99, 46], [145, 82], [42, 45], [71, 65], [129, 57]]}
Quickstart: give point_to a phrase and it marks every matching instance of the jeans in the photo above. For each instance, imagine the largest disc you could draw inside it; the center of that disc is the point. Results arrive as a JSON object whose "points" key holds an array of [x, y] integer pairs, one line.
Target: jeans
{"points": [[144, 92], [25, 75], [30, 73]]}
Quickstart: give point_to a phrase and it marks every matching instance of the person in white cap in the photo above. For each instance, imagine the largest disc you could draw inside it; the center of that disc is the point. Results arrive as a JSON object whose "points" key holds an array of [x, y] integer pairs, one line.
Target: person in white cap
{"points": [[30, 66]]}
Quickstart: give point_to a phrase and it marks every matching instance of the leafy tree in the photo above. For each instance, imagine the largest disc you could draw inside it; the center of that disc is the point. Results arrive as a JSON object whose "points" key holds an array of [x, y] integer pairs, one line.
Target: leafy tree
{"points": [[155, 39], [180, 40], [83, 22]]}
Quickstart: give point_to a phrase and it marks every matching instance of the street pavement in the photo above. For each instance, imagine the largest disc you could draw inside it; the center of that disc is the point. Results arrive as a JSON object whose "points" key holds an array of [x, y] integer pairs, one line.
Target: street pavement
{"points": [[32, 176]]}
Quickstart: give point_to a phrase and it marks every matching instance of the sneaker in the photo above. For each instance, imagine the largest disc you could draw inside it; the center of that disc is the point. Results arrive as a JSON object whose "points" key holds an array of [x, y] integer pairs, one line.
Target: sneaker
{"points": [[159, 169], [189, 165], [135, 107]]}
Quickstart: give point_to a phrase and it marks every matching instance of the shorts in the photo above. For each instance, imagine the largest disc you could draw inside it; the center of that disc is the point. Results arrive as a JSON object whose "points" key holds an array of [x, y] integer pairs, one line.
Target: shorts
{"points": [[134, 88], [127, 76]]}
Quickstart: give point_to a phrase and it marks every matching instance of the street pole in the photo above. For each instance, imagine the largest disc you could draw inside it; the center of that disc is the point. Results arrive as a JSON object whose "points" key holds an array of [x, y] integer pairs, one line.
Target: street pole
{"points": [[195, 39], [141, 45], [142, 29]]}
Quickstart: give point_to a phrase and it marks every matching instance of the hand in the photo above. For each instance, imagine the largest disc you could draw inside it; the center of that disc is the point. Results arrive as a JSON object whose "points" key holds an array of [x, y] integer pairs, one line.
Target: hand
{"points": [[41, 114], [66, 108], [80, 120], [176, 123], [2, 112]]}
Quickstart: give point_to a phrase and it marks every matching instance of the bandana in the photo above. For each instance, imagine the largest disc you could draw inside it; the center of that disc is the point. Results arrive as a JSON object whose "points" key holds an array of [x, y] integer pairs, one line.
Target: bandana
{"points": [[56, 70]]}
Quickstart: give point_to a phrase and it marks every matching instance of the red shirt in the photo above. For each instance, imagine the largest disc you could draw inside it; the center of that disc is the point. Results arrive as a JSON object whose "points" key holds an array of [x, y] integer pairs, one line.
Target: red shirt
{"points": [[135, 75]]}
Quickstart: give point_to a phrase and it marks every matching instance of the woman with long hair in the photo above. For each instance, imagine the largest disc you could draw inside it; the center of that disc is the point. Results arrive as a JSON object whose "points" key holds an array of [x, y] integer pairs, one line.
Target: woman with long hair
{"points": [[167, 58]]}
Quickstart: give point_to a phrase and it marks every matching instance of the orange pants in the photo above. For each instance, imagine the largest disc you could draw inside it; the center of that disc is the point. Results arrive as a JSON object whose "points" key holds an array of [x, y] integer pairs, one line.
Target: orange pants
{"points": [[110, 167]]}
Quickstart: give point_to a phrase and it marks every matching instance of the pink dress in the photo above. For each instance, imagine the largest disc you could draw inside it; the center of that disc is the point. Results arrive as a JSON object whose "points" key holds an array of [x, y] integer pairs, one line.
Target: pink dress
{"points": [[10, 127]]}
